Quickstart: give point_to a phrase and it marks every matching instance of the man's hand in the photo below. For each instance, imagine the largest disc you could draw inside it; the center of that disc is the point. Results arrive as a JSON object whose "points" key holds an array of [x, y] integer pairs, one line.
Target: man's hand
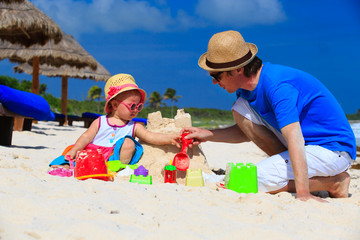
{"points": [[305, 197], [198, 134]]}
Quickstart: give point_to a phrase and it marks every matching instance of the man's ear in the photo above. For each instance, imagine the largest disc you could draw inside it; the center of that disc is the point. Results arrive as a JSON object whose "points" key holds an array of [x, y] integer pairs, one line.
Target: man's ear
{"points": [[240, 70]]}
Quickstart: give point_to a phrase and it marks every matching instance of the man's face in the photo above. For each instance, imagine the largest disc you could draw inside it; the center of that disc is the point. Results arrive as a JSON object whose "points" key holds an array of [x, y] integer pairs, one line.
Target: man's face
{"points": [[226, 80]]}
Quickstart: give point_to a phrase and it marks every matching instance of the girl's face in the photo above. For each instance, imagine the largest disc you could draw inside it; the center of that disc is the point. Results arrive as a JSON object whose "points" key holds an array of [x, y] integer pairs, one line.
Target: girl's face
{"points": [[122, 105]]}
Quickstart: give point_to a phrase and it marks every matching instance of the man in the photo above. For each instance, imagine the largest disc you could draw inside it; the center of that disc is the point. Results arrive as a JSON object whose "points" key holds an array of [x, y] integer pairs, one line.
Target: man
{"points": [[288, 113]]}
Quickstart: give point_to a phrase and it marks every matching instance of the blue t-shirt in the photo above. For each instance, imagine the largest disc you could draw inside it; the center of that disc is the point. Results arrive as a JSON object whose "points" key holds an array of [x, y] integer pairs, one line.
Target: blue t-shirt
{"points": [[286, 95]]}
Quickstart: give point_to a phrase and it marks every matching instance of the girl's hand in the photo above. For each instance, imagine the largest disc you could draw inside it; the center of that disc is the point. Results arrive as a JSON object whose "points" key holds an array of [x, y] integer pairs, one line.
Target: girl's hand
{"points": [[175, 139], [71, 161], [71, 155]]}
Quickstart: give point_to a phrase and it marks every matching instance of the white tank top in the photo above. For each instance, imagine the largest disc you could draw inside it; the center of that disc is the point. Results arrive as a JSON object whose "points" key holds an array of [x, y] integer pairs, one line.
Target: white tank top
{"points": [[108, 135]]}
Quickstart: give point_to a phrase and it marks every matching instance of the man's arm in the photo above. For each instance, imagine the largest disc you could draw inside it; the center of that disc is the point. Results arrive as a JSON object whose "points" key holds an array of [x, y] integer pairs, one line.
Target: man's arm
{"points": [[296, 146], [232, 134]]}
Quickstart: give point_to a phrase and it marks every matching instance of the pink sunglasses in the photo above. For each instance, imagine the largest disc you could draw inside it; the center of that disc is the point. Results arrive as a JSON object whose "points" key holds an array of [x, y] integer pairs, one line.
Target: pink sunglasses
{"points": [[133, 107]]}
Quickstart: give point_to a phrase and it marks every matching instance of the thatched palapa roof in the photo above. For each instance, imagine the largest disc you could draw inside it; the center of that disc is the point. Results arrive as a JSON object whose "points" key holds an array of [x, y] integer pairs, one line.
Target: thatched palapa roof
{"points": [[65, 71], [21, 22], [67, 51], [100, 74]]}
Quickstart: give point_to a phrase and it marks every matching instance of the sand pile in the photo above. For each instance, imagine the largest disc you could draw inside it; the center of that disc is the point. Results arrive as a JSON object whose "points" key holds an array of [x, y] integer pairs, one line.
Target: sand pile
{"points": [[155, 158]]}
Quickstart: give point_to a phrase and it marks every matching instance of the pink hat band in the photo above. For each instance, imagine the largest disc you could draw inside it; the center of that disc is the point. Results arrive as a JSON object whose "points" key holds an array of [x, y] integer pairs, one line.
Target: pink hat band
{"points": [[114, 90]]}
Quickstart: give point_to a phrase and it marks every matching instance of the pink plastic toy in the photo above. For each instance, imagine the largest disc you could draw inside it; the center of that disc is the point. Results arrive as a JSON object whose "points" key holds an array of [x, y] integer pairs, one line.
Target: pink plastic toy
{"points": [[63, 172], [181, 160]]}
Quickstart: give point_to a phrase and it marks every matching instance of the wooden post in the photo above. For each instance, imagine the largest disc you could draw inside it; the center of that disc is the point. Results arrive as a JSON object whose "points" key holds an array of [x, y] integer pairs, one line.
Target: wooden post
{"points": [[18, 123], [35, 81], [6, 130], [27, 124], [64, 89]]}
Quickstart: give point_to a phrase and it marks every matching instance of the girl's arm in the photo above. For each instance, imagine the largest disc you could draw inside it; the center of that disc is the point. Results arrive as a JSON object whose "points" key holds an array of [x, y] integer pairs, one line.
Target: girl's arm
{"points": [[85, 138], [156, 138]]}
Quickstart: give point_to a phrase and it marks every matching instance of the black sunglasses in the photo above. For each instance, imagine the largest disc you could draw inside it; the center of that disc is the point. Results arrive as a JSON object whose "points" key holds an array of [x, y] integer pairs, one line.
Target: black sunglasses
{"points": [[216, 76]]}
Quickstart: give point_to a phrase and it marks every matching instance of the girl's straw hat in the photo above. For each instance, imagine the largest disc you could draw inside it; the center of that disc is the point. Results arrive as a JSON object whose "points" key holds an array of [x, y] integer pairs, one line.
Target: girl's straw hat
{"points": [[227, 51], [120, 83]]}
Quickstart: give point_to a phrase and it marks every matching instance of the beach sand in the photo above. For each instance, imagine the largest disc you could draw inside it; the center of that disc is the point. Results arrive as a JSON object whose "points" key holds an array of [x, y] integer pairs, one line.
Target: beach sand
{"points": [[36, 205]]}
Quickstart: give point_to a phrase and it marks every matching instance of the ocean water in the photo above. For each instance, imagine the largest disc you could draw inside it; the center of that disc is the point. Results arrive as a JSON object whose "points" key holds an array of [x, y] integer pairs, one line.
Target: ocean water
{"points": [[356, 129]]}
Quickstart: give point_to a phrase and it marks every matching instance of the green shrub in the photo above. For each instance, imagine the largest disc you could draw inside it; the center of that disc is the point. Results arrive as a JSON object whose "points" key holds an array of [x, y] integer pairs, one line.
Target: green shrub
{"points": [[201, 117]]}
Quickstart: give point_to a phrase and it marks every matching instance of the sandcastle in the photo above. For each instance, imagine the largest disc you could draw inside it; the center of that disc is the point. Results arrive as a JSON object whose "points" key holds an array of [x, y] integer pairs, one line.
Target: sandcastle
{"points": [[155, 158]]}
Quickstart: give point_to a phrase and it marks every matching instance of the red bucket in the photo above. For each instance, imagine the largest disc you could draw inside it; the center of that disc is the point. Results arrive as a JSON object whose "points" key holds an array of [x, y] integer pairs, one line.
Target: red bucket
{"points": [[91, 164]]}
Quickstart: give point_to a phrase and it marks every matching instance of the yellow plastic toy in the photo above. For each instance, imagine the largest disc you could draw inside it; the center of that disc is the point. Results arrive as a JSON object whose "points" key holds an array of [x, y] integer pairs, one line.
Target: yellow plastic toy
{"points": [[194, 178]]}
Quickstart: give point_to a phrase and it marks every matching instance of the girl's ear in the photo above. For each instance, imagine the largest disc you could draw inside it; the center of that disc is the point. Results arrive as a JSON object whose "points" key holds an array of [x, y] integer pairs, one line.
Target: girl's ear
{"points": [[113, 104]]}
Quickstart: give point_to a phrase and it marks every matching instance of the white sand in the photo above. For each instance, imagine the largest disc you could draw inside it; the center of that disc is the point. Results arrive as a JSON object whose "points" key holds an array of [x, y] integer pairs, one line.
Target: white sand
{"points": [[36, 205]]}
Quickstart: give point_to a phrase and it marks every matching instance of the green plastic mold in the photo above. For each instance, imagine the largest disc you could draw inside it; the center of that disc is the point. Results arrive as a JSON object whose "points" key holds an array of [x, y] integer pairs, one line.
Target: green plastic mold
{"points": [[241, 178], [116, 165], [141, 179]]}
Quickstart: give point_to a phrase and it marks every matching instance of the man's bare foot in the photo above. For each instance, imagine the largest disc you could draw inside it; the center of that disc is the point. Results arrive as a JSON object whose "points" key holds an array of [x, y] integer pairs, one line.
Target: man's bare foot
{"points": [[340, 188]]}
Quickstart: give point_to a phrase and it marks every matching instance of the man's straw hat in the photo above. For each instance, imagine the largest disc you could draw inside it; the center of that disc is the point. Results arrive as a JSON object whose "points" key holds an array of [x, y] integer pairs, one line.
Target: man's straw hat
{"points": [[227, 51], [120, 83]]}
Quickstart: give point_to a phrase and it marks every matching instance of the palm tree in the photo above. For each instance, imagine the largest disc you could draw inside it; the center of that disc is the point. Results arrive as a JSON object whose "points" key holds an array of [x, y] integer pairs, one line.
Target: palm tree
{"points": [[155, 100], [170, 94], [95, 94]]}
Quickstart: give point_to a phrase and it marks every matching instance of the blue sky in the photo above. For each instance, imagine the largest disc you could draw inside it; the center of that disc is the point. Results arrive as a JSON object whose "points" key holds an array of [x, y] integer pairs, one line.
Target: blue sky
{"points": [[159, 42]]}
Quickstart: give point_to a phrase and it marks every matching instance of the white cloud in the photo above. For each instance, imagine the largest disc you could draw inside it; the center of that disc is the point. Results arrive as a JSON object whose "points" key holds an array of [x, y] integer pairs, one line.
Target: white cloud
{"points": [[240, 13], [108, 15], [76, 17]]}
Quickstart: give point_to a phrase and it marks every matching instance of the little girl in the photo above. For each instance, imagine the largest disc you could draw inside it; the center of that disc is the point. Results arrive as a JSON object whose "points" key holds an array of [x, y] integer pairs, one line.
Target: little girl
{"points": [[124, 99]]}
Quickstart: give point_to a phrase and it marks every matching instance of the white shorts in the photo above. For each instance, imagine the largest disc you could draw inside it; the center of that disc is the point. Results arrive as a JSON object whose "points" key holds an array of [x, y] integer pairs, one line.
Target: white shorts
{"points": [[275, 172]]}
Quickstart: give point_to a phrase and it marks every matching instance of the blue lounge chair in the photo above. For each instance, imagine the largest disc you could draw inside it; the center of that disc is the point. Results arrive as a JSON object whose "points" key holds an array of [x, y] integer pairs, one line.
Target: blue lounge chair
{"points": [[19, 104]]}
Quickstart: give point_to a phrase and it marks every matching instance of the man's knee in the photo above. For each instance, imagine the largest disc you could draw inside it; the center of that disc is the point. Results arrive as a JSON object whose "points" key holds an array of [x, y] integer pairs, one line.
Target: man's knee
{"points": [[269, 180], [263, 137], [250, 129]]}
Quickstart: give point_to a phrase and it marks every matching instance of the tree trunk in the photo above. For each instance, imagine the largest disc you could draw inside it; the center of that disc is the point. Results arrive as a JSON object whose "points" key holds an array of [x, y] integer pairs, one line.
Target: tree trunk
{"points": [[35, 81], [64, 89], [172, 105]]}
